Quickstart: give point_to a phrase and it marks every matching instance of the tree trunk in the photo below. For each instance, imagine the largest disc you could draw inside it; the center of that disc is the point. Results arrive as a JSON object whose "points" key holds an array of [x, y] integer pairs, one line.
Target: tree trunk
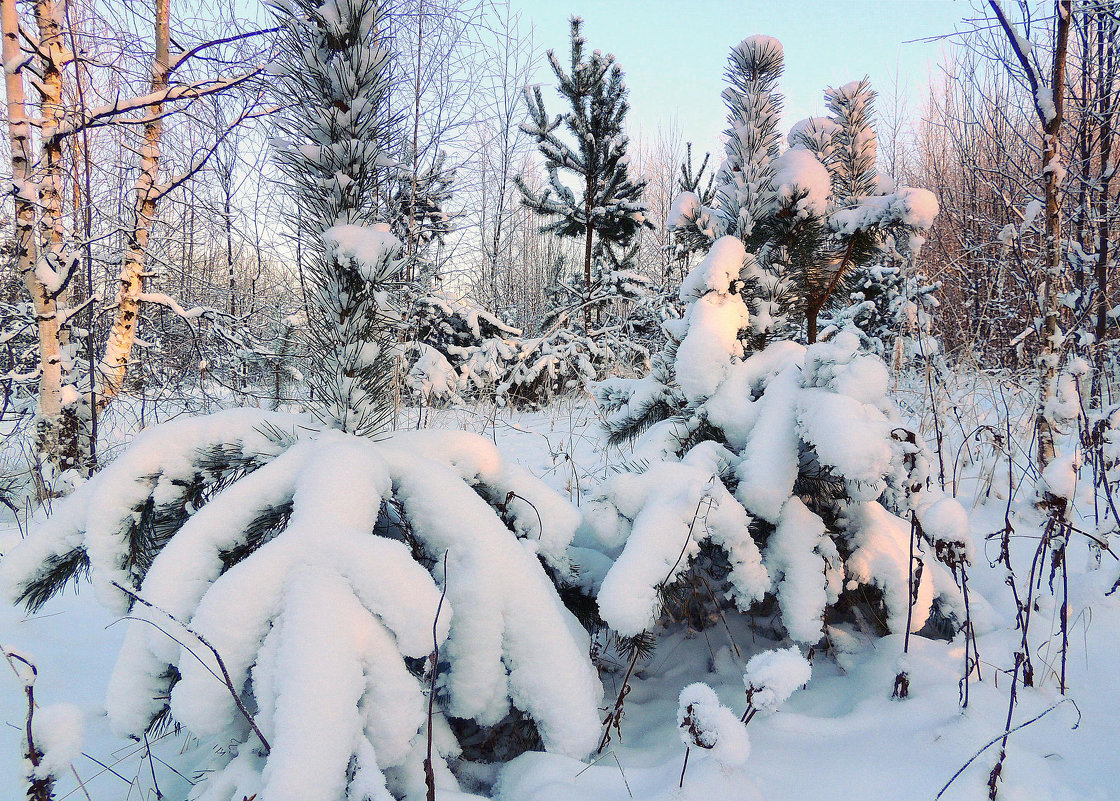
{"points": [[1049, 358], [411, 269], [1105, 75], [228, 223], [587, 274], [26, 196], [122, 335]]}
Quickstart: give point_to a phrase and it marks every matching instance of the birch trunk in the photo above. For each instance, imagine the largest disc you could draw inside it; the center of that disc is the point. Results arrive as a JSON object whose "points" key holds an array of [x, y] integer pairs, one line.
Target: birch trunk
{"points": [[26, 195], [41, 252], [122, 335], [1050, 351], [1050, 357]]}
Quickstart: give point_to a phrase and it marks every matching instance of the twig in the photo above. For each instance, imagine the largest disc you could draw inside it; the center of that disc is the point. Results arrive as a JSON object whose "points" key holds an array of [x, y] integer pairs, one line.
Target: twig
{"points": [[429, 771], [217, 656], [1004, 735]]}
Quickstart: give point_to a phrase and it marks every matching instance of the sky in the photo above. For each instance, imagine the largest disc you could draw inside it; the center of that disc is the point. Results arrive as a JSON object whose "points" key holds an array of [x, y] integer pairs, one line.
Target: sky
{"points": [[674, 54]]}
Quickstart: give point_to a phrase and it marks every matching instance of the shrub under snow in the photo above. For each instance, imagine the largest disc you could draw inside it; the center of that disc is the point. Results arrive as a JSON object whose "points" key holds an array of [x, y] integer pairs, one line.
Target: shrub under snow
{"points": [[708, 725], [771, 677], [316, 569], [790, 459]]}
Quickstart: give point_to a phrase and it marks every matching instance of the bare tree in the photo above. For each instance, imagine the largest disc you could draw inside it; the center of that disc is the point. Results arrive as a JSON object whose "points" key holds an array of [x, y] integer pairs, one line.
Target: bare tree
{"points": [[68, 108]]}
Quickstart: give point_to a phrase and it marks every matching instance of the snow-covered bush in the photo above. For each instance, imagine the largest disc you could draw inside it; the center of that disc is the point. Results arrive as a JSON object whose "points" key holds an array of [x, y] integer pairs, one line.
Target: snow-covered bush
{"points": [[324, 569], [891, 311], [708, 725], [791, 460], [462, 351], [52, 734], [771, 677]]}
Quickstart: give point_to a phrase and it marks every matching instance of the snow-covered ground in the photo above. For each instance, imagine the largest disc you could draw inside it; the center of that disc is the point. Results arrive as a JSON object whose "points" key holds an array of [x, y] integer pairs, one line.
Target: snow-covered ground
{"points": [[841, 737]]}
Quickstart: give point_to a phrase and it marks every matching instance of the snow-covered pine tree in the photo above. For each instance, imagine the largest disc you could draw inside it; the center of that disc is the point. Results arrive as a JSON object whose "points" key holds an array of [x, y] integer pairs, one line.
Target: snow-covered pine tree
{"points": [[692, 219], [608, 211], [803, 249], [754, 109], [831, 214], [332, 75], [782, 473], [326, 573]]}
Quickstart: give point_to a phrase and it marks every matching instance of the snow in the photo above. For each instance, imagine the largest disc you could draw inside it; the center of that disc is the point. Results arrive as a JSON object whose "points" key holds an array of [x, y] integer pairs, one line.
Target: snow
{"points": [[673, 506], [716, 271], [795, 557], [1059, 478], [703, 357], [713, 319], [847, 700], [799, 175], [881, 557], [945, 522], [811, 131], [57, 730], [766, 483], [372, 250], [318, 618], [846, 434], [157, 464], [710, 727], [762, 43], [686, 206], [771, 677], [909, 206]]}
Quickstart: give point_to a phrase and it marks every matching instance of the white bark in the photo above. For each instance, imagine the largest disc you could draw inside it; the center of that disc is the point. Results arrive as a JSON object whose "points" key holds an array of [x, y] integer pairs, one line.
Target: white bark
{"points": [[122, 335]]}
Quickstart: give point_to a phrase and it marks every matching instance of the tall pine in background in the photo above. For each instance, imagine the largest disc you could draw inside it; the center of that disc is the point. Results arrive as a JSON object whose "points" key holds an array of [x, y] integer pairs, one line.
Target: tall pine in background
{"points": [[332, 76], [608, 211]]}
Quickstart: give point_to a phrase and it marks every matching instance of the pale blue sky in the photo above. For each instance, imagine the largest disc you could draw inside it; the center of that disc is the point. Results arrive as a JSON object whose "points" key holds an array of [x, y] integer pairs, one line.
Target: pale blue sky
{"points": [[674, 53]]}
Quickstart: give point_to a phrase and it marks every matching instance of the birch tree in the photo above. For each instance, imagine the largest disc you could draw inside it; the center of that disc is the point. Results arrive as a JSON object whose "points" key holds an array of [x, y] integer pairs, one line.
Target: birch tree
{"points": [[1049, 103], [36, 52]]}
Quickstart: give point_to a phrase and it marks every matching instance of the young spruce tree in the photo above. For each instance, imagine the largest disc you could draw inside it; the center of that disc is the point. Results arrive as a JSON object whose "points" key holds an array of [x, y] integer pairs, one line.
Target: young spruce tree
{"points": [[609, 211]]}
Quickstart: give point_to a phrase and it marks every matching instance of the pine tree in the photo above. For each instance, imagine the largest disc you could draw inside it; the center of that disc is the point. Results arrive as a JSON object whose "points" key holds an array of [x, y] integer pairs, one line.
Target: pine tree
{"points": [[333, 74], [693, 218], [827, 217], [754, 110], [793, 456], [420, 217], [608, 211]]}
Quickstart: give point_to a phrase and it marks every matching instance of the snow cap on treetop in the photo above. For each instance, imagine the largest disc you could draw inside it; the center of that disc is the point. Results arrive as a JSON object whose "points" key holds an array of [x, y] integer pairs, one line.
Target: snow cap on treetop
{"points": [[762, 43], [798, 174]]}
